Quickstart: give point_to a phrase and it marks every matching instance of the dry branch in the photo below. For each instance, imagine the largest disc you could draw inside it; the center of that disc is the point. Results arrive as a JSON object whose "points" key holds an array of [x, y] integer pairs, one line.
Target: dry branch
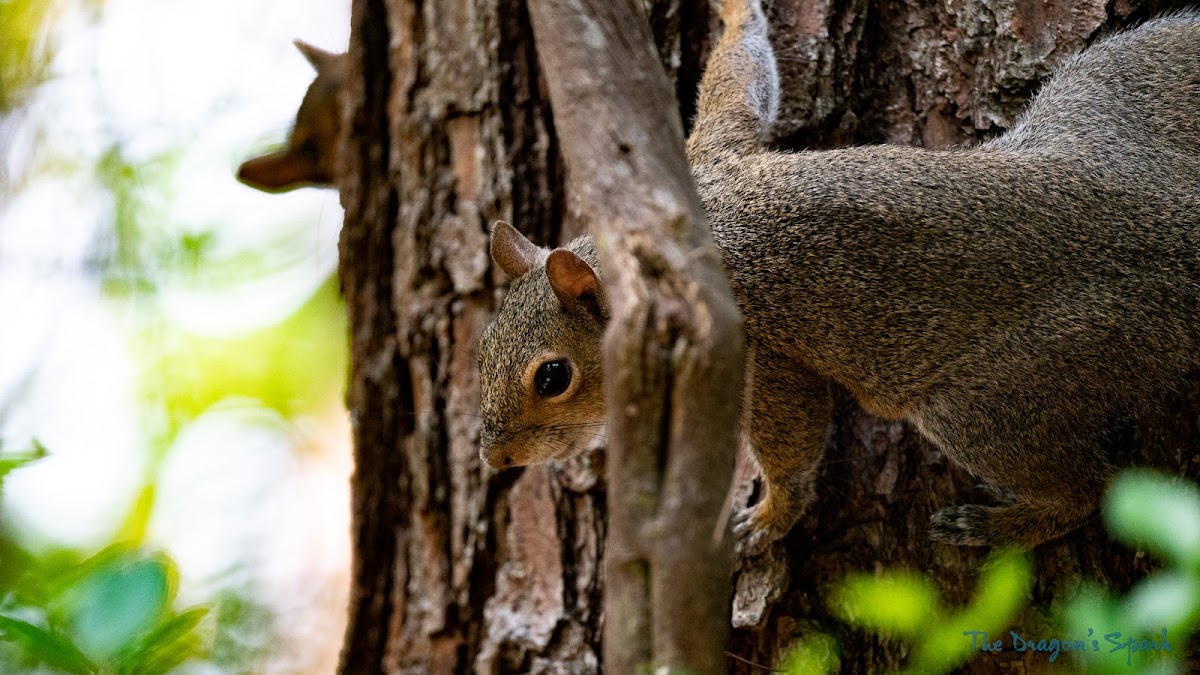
{"points": [[674, 349]]}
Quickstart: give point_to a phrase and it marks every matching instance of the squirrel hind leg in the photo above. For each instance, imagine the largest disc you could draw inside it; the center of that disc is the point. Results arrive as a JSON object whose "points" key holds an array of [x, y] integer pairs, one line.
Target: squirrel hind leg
{"points": [[1044, 467], [758, 526], [790, 411], [1022, 523]]}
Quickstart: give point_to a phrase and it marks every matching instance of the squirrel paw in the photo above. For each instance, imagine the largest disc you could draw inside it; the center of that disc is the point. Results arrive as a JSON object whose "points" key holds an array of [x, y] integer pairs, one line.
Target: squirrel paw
{"points": [[963, 525], [755, 529]]}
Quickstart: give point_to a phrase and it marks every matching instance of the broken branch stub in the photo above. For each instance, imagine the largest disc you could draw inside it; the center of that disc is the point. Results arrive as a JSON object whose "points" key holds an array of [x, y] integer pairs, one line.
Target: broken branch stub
{"points": [[674, 351]]}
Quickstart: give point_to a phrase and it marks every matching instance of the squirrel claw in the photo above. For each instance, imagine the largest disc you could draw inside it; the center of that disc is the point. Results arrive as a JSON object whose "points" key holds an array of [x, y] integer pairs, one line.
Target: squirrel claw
{"points": [[995, 494], [962, 525], [752, 532]]}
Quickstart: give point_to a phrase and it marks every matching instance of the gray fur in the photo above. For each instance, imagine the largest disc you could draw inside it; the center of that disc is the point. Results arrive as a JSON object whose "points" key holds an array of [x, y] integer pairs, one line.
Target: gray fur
{"points": [[1008, 300]]}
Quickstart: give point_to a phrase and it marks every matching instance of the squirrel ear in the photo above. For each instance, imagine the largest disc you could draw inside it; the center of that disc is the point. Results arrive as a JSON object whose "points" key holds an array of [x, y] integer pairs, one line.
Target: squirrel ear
{"points": [[319, 58], [574, 281], [512, 252]]}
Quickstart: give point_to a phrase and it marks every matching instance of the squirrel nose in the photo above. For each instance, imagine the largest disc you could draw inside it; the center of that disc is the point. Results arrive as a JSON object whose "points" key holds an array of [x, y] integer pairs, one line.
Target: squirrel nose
{"points": [[494, 459], [488, 453]]}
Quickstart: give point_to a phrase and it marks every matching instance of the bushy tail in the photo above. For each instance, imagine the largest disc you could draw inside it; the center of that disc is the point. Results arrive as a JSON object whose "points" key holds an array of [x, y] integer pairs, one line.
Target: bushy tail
{"points": [[739, 94]]}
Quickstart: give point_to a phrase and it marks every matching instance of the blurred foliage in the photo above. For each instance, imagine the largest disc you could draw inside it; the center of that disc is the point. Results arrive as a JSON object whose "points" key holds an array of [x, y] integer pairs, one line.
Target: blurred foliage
{"points": [[11, 461], [906, 605], [136, 252], [112, 612], [815, 654], [291, 367], [27, 46], [117, 610], [1150, 627], [24, 50], [245, 632], [1145, 631]]}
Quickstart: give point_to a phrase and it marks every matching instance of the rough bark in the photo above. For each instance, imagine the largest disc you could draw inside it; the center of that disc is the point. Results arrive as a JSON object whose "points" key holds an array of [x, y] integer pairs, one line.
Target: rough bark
{"points": [[674, 347], [460, 568]]}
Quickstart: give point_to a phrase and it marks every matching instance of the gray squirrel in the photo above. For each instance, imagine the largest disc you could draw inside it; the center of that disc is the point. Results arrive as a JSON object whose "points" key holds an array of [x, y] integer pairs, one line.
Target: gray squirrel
{"points": [[1008, 300], [313, 146]]}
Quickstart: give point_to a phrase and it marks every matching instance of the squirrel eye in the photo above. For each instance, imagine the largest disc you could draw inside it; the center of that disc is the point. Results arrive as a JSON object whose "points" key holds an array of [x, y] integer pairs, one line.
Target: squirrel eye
{"points": [[552, 378], [310, 150]]}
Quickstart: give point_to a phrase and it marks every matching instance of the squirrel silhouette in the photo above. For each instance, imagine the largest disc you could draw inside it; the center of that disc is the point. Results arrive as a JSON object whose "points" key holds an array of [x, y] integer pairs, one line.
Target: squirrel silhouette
{"points": [[1008, 300], [311, 155]]}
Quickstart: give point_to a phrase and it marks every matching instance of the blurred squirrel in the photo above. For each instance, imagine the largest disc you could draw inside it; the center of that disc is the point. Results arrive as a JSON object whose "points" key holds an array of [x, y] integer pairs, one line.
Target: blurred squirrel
{"points": [[311, 155], [1008, 300]]}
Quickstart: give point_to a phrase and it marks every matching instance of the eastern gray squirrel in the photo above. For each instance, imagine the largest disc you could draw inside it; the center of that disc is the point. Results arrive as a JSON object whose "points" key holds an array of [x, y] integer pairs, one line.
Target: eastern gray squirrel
{"points": [[1008, 300], [311, 155]]}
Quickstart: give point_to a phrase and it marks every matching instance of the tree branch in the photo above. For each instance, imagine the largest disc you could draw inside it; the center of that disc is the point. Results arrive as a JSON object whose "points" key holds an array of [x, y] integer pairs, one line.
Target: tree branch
{"points": [[674, 351]]}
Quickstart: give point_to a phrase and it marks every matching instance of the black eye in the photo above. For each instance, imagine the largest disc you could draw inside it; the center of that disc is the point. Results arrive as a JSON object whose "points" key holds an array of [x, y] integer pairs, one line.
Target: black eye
{"points": [[310, 150], [552, 378]]}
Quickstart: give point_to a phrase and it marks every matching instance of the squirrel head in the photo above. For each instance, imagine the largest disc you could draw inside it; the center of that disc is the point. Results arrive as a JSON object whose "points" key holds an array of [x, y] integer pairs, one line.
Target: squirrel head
{"points": [[312, 152], [541, 380]]}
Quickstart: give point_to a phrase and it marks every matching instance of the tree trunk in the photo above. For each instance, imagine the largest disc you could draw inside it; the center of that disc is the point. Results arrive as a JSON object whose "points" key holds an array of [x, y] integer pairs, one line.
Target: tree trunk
{"points": [[459, 567]]}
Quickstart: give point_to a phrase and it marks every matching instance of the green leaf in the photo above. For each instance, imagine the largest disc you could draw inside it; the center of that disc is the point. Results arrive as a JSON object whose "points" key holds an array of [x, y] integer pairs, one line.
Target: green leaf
{"points": [[133, 530], [194, 246], [66, 573], [814, 655], [945, 646], [54, 650], [1143, 507], [1164, 600], [17, 460], [170, 643], [1002, 591], [118, 603], [1004, 584], [898, 603]]}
